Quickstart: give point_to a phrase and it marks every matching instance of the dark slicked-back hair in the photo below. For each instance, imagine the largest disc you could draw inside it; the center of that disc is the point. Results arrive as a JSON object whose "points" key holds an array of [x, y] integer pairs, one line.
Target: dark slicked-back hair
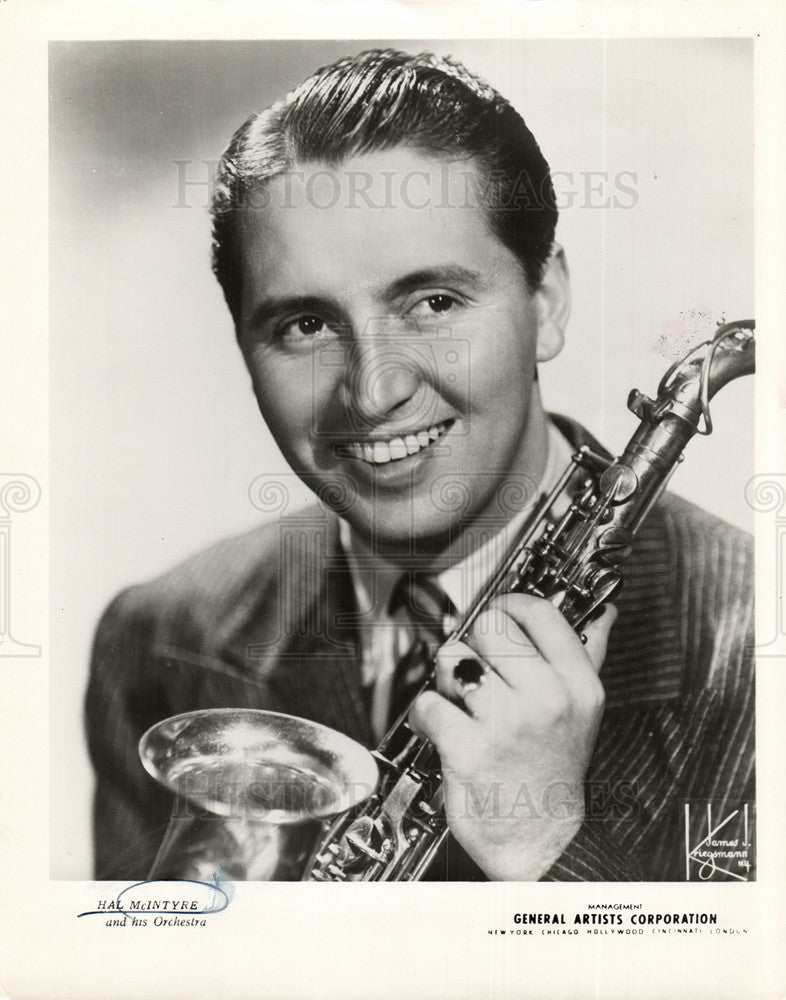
{"points": [[377, 100]]}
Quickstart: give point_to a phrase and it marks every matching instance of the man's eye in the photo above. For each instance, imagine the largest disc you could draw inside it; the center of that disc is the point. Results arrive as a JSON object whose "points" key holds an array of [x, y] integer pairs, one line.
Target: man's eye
{"points": [[440, 303], [305, 328], [433, 305]]}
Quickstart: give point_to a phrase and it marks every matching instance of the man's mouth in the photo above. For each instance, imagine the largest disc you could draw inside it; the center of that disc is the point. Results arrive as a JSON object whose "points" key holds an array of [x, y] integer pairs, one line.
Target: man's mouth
{"points": [[394, 449]]}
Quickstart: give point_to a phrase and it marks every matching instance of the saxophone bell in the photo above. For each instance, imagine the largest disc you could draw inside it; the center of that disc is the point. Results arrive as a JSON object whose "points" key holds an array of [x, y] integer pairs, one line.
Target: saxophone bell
{"points": [[251, 790]]}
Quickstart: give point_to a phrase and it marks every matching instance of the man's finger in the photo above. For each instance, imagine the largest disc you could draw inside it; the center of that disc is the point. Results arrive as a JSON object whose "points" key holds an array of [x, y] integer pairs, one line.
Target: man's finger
{"points": [[461, 665], [550, 632], [466, 678], [499, 640], [439, 720], [597, 633]]}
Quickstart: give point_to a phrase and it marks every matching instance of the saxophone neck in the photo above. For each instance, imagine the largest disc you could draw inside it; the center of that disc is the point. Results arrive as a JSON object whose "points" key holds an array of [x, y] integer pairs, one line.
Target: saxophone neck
{"points": [[688, 386]]}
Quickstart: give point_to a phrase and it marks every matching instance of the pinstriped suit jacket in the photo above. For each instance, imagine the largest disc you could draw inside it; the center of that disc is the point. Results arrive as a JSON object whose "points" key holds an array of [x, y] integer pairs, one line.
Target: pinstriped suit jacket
{"points": [[264, 620]]}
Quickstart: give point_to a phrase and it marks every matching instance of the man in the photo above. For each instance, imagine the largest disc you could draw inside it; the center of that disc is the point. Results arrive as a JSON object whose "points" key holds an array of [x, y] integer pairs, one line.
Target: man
{"points": [[385, 241]]}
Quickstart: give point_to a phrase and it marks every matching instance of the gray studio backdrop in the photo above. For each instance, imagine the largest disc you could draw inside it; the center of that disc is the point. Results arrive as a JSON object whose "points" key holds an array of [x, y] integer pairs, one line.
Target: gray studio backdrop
{"points": [[155, 437]]}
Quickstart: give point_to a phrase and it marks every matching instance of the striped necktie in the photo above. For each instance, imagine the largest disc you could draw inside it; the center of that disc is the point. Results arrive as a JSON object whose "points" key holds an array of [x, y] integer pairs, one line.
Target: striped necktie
{"points": [[430, 611]]}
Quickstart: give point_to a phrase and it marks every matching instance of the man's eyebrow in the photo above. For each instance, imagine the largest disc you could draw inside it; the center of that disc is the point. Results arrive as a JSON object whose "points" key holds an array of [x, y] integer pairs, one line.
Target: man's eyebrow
{"points": [[446, 274]]}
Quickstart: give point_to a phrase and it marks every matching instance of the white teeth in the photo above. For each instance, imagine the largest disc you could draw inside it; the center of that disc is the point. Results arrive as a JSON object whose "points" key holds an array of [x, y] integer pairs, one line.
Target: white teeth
{"points": [[382, 452], [398, 449]]}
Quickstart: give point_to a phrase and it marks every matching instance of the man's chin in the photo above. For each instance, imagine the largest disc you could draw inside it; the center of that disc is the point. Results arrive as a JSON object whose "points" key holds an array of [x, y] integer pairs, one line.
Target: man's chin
{"points": [[413, 534]]}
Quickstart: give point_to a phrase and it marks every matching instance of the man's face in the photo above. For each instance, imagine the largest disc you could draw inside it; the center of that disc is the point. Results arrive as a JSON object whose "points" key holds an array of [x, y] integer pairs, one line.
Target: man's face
{"points": [[391, 342]]}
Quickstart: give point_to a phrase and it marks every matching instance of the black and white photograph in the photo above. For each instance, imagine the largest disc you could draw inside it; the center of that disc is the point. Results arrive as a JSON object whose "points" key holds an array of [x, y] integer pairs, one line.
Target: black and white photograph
{"points": [[384, 235], [404, 467]]}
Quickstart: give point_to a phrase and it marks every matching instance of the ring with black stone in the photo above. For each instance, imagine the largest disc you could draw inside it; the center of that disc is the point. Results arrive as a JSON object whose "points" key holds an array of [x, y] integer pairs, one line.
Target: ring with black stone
{"points": [[470, 673]]}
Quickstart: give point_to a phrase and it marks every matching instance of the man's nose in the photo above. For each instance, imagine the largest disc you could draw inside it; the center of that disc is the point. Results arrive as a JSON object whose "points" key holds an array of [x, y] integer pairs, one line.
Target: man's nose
{"points": [[383, 373]]}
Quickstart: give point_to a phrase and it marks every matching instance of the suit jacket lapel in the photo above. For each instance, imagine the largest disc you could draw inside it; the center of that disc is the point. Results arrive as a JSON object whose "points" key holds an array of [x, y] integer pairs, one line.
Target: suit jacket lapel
{"points": [[292, 636]]}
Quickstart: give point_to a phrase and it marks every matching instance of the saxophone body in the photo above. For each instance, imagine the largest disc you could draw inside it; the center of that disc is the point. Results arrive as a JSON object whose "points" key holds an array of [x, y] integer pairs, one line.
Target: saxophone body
{"points": [[571, 553]]}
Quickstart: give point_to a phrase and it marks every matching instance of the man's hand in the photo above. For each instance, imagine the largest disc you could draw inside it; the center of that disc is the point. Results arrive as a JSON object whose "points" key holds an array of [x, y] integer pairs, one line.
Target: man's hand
{"points": [[515, 751]]}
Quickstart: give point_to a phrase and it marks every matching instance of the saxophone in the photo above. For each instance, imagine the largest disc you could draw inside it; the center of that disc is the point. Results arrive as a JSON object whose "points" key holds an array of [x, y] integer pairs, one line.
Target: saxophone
{"points": [[390, 818]]}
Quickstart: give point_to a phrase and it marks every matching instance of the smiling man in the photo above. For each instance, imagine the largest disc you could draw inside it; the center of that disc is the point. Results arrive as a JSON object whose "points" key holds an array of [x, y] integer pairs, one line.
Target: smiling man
{"points": [[385, 241], [393, 346]]}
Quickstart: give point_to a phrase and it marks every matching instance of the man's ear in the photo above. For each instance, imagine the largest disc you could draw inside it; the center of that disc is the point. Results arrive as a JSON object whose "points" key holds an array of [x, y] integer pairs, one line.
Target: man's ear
{"points": [[552, 302]]}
